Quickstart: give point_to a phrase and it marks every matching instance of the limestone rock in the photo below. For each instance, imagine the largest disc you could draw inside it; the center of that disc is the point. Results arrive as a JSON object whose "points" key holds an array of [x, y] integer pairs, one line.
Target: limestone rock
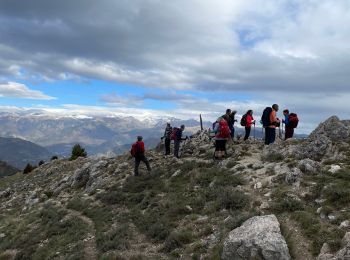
{"points": [[258, 238], [309, 166], [81, 176], [342, 254], [334, 168], [333, 128]]}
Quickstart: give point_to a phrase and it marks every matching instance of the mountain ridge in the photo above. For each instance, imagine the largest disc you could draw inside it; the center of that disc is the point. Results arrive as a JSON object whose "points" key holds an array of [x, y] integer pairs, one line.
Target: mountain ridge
{"points": [[296, 191]]}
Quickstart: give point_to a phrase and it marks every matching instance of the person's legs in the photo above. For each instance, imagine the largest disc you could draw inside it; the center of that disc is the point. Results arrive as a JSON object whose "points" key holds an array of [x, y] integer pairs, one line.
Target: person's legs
{"points": [[167, 146], [144, 159], [247, 132], [224, 152], [137, 164], [289, 132], [176, 148], [266, 135], [217, 149], [272, 135]]}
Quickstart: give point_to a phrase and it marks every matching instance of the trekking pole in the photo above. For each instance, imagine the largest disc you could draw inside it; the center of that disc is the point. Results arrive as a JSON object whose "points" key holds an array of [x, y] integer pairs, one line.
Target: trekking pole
{"points": [[254, 131]]}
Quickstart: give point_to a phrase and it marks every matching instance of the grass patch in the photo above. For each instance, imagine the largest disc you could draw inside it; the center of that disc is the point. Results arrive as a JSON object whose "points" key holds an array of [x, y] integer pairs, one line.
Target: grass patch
{"points": [[318, 233], [176, 240], [60, 233]]}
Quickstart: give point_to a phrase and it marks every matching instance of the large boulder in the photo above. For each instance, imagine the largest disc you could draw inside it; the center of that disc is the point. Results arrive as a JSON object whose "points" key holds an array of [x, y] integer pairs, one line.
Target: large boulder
{"points": [[258, 238]]}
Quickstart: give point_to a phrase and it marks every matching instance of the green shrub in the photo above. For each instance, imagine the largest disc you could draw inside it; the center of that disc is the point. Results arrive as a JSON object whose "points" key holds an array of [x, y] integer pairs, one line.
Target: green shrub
{"points": [[77, 151], [232, 199], [41, 163], [114, 239], [337, 194], [287, 204], [55, 157], [29, 168], [176, 240]]}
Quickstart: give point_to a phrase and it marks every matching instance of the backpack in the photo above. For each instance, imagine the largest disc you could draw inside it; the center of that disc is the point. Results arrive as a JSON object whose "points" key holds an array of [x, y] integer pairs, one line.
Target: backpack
{"points": [[134, 149], [168, 132], [224, 130], [244, 120], [293, 120], [265, 118], [173, 135]]}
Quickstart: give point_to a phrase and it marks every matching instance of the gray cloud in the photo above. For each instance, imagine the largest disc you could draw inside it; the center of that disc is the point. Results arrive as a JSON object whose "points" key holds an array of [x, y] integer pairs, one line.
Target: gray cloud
{"points": [[279, 51]]}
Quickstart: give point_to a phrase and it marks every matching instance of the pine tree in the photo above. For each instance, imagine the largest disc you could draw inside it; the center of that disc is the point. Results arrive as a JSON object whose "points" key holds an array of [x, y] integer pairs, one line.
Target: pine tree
{"points": [[77, 151]]}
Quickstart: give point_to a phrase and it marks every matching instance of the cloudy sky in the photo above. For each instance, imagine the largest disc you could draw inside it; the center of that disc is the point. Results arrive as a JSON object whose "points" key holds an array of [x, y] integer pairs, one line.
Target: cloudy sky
{"points": [[179, 58]]}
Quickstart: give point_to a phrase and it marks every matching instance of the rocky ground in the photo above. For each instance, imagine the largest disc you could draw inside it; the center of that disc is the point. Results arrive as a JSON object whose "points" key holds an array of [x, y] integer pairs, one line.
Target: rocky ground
{"points": [[289, 200]]}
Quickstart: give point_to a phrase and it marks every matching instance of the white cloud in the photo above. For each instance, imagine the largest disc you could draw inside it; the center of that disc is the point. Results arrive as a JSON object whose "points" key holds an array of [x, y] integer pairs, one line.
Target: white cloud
{"points": [[18, 90]]}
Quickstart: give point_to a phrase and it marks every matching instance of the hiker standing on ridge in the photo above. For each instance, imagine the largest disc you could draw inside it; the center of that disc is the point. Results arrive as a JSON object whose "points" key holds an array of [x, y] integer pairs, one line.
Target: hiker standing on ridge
{"points": [[166, 136], [290, 121], [177, 137], [229, 117], [249, 121], [270, 122], [231, 123], [138, 152], [222, 135]]}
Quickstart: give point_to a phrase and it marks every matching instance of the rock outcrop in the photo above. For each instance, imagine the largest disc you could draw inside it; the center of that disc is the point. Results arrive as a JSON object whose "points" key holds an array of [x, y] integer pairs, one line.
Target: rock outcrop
{"points": [[258, 238], [342, 254]]}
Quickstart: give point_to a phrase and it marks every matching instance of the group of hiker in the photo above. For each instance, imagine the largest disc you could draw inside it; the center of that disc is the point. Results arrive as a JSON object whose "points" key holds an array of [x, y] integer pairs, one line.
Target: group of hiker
{"points": [[224, 131]]}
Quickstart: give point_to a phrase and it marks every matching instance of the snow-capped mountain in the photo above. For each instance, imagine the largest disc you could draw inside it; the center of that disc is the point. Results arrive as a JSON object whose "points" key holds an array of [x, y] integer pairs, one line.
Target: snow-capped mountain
{"points": [[99, 134]]}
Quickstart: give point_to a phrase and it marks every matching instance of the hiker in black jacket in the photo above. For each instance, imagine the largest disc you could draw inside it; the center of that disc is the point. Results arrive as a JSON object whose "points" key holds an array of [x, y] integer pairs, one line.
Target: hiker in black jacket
{"points": [[177, 140], [166, 136]]}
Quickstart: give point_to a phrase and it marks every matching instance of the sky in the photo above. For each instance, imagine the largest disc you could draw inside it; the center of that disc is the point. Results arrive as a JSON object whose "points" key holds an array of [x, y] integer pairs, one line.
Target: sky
{"points": [[176, 58]]}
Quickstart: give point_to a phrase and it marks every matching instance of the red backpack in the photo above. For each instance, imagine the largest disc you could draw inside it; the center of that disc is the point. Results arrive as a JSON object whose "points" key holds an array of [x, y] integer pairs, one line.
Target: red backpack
{"points": [[224, 130], [173, 135], [293, 120], [134, 149]]}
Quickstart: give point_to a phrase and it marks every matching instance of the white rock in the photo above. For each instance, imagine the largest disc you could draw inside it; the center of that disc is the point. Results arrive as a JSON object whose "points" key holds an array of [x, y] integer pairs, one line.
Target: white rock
{"points": [[257, 186], [334, 168], [258, 238], [345, 224]]}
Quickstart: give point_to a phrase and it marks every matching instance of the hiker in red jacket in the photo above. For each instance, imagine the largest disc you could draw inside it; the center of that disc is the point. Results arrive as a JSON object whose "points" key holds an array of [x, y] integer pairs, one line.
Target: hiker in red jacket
{"points": [[249, 122], [138, 152]]}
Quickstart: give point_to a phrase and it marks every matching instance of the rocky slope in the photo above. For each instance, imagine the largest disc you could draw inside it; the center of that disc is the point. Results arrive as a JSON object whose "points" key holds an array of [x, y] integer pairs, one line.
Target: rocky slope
{"points": [[286, 201]]}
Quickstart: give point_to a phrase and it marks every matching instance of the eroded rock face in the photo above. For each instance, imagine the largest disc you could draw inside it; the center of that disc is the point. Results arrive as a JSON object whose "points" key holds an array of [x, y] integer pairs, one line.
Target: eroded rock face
{"points": [[258, 238], [333, 128]]}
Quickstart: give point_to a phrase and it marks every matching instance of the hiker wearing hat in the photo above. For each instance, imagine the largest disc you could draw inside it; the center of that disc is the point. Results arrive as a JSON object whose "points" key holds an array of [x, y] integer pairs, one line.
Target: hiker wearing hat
{"points": [[167, 138], [138, 152]]}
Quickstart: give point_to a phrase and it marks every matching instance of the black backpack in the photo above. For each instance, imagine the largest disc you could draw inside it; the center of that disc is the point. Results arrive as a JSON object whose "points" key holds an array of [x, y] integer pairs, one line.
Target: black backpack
{"points": [[265, 118], [244, 120]]}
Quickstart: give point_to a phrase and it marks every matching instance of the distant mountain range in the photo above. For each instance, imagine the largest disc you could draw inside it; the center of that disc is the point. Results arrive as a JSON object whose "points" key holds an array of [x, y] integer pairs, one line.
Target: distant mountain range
{"points": [[7, 170], [98, 135], [56, 135], [18, 152]]}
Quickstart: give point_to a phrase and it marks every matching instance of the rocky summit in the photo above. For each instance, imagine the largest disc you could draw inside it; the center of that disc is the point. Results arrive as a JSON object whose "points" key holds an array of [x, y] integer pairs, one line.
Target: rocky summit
{"points": [[289, 200]]}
